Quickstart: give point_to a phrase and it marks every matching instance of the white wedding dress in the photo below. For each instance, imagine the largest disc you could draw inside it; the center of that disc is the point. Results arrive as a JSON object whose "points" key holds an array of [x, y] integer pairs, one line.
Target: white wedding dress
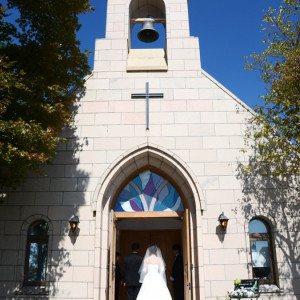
{"points": [[154, 286]]}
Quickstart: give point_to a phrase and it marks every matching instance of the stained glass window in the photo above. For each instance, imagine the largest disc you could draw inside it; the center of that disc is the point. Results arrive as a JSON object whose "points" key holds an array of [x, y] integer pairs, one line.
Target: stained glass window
{"points": [[149, 191]]}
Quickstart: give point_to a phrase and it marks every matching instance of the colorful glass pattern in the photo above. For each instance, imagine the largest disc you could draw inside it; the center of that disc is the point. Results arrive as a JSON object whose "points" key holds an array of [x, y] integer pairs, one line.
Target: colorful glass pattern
{"points": [[149, 191]]}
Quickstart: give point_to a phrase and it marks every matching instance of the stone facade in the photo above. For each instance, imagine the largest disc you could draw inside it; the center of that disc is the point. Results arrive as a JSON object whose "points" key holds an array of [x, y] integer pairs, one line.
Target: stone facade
{"points": [[195, 136]]}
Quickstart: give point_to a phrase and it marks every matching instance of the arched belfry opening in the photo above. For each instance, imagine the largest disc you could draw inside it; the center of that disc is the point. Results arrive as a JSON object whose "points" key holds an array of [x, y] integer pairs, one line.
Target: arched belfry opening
{"points": [[147, 36], [139, 12]]}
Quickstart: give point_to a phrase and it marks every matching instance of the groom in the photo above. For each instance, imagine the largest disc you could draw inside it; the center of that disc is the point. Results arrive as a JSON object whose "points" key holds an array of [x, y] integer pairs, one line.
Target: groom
{"points": [[132, 263], [177, 273]]}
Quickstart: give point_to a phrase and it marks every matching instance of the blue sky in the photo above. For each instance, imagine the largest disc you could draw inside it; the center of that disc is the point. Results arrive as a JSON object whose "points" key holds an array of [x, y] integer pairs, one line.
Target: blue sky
{"points": [[228, 30]]}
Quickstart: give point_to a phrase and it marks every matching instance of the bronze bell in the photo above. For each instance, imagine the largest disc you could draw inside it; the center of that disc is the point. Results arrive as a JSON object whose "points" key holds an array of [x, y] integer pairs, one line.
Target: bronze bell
{"points": [[148, 33]]}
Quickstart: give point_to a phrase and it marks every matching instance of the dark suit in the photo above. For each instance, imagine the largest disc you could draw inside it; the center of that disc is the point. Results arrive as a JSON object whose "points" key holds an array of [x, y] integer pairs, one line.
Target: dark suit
{"points": [[177, 274], [132, 263], [118, 279]]}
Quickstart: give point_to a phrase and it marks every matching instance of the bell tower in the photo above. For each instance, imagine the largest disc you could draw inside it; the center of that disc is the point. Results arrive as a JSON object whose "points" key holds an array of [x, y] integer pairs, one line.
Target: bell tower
{"points": [[166, 20], [144, 97]]}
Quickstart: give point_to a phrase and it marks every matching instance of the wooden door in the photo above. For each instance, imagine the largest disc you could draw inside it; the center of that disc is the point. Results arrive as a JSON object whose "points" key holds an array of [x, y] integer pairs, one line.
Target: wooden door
{"points": [[165, 239], [112, 255], [187, 256]]}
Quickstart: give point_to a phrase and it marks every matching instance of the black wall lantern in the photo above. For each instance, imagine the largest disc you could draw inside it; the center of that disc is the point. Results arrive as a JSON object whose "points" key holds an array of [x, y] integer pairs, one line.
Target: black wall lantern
{"points": [[74, 223], [223, 221]]}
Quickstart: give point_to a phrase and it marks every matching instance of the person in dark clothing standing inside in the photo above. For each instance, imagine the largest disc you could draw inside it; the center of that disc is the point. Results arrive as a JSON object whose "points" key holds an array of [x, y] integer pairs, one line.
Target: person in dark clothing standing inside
{"points": [[118, 278], [177, 273], [132, 263]]}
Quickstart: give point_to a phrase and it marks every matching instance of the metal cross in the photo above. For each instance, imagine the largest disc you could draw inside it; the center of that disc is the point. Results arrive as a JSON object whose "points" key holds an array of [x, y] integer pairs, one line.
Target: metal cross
{"points": [[147, 95]]}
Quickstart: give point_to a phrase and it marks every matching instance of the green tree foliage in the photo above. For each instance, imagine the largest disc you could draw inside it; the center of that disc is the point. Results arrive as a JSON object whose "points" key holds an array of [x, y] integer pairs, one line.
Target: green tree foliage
{"points": [[41, 66], [276, 125]]}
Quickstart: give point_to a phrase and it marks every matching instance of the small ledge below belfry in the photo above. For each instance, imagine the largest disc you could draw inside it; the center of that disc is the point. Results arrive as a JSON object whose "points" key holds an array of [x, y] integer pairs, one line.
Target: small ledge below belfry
{"points": [[147, 60]]}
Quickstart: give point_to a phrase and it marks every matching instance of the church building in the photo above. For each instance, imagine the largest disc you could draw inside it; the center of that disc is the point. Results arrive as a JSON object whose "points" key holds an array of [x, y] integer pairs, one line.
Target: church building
{"points": [[155, 155]]}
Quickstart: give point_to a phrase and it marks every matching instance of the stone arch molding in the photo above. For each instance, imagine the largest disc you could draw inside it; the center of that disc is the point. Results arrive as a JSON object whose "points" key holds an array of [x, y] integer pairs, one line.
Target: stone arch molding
{"points": [[34, 218], [257, 214], [141, 157]]}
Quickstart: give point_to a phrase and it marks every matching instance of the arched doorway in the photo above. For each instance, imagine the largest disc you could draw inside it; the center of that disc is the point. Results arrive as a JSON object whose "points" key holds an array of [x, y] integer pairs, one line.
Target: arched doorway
{"points": [[111, 225], [149, 209]]}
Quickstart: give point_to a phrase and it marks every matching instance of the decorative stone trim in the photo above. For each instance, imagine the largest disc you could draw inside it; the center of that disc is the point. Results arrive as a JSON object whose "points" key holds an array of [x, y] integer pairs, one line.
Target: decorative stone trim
{"points": [[145, 155]]}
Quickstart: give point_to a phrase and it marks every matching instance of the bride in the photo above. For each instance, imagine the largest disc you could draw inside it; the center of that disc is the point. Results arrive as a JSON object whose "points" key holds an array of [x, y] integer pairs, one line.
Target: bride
{"points": [[153, 277]]}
